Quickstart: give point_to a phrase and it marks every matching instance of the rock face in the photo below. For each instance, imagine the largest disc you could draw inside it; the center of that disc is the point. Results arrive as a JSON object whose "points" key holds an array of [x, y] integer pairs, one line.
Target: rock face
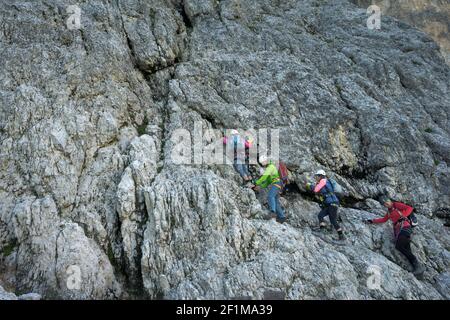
{"points": [[433, 17], [93, 205], [4, 295]]}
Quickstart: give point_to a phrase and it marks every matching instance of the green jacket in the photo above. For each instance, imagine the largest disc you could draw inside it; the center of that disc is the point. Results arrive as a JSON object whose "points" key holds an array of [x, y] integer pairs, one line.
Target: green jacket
{"points": [[269, 176]]}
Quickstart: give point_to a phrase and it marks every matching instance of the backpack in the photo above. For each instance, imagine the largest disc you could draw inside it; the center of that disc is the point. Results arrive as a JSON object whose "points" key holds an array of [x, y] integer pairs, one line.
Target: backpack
{"points": [[411, 218], [337, 189], [284, 173]]}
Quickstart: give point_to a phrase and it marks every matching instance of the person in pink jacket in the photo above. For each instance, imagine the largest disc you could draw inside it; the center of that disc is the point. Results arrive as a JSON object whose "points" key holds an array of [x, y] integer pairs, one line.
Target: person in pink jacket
{"points": [[240, 147]]}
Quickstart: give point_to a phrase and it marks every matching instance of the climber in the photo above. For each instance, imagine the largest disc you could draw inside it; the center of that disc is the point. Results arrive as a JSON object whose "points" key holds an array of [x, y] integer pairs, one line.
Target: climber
{"points": [[240, 145], [329, 202], [400, 214], [248, 145], [271, 178]]}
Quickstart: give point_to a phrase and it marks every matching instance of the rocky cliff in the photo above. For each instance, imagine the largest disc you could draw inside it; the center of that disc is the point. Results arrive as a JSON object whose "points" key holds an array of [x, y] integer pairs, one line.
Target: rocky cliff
{"points": [[92, 205], [431, 16], [4, 295]]}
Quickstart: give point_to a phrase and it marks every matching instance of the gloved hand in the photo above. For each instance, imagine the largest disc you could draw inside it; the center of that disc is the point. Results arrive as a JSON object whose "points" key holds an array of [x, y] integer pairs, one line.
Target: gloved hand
{"points": [[308, 186], [367, 221]]}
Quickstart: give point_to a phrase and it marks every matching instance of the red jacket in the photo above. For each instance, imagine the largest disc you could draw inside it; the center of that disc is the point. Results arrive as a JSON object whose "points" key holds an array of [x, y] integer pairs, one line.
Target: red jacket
{"points": [[395, 213]]}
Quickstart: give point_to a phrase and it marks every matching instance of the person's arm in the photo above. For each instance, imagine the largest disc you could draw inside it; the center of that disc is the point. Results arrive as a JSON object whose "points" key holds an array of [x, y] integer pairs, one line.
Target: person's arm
{"points": [[320, 185], [403, 208], [310, 186], [266, 175], [381, 220], [262, 179]]}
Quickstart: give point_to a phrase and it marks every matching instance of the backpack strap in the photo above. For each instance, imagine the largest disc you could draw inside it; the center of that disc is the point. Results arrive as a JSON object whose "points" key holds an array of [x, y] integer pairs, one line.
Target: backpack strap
{"points": [[328, 192], [331, 193], [401, 221]]}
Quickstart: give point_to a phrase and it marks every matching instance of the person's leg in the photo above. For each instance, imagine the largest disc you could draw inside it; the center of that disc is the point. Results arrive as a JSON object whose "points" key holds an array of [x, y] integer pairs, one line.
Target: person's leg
{"points": [[280, 211], [333, 214], [322, 214], [403, 245], [271, 201], [339, 217], [246, 170], [279, 208], [272, 198], [240, 169]]}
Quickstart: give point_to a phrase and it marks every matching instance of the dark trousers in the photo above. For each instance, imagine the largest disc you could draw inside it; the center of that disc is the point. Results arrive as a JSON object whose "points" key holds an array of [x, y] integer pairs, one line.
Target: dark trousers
{"points": [[403, 245], [332, 212]]}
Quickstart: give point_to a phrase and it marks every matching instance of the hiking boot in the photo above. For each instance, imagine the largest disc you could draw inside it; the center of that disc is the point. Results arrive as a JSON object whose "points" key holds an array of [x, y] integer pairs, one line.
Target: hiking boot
{"points": [[270, 216], [248, 184], [320, 229], [341, 236], [281, 220], [418, 269]]}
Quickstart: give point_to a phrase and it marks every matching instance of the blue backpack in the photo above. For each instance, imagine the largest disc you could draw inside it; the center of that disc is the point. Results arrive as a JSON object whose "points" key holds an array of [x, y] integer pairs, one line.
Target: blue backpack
{"points": [[337, 189]]}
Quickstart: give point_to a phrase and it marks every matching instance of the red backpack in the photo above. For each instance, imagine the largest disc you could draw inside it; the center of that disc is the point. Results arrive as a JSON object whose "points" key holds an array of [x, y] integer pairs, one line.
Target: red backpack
{"points": [[284, 173]]}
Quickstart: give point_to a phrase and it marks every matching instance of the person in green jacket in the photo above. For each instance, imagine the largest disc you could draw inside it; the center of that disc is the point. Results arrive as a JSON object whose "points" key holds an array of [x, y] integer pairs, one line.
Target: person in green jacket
{"points": [[271, 178]]}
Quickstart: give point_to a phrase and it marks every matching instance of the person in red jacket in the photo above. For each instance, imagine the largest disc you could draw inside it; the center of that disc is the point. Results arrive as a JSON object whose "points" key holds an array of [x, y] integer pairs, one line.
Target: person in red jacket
{"points": [[402, 218]]}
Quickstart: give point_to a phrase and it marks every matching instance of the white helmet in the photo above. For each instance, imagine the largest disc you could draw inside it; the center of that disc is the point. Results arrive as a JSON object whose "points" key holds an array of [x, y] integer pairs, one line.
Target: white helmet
{"points": [[263, 159], [321, 173], [234, 132]]}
